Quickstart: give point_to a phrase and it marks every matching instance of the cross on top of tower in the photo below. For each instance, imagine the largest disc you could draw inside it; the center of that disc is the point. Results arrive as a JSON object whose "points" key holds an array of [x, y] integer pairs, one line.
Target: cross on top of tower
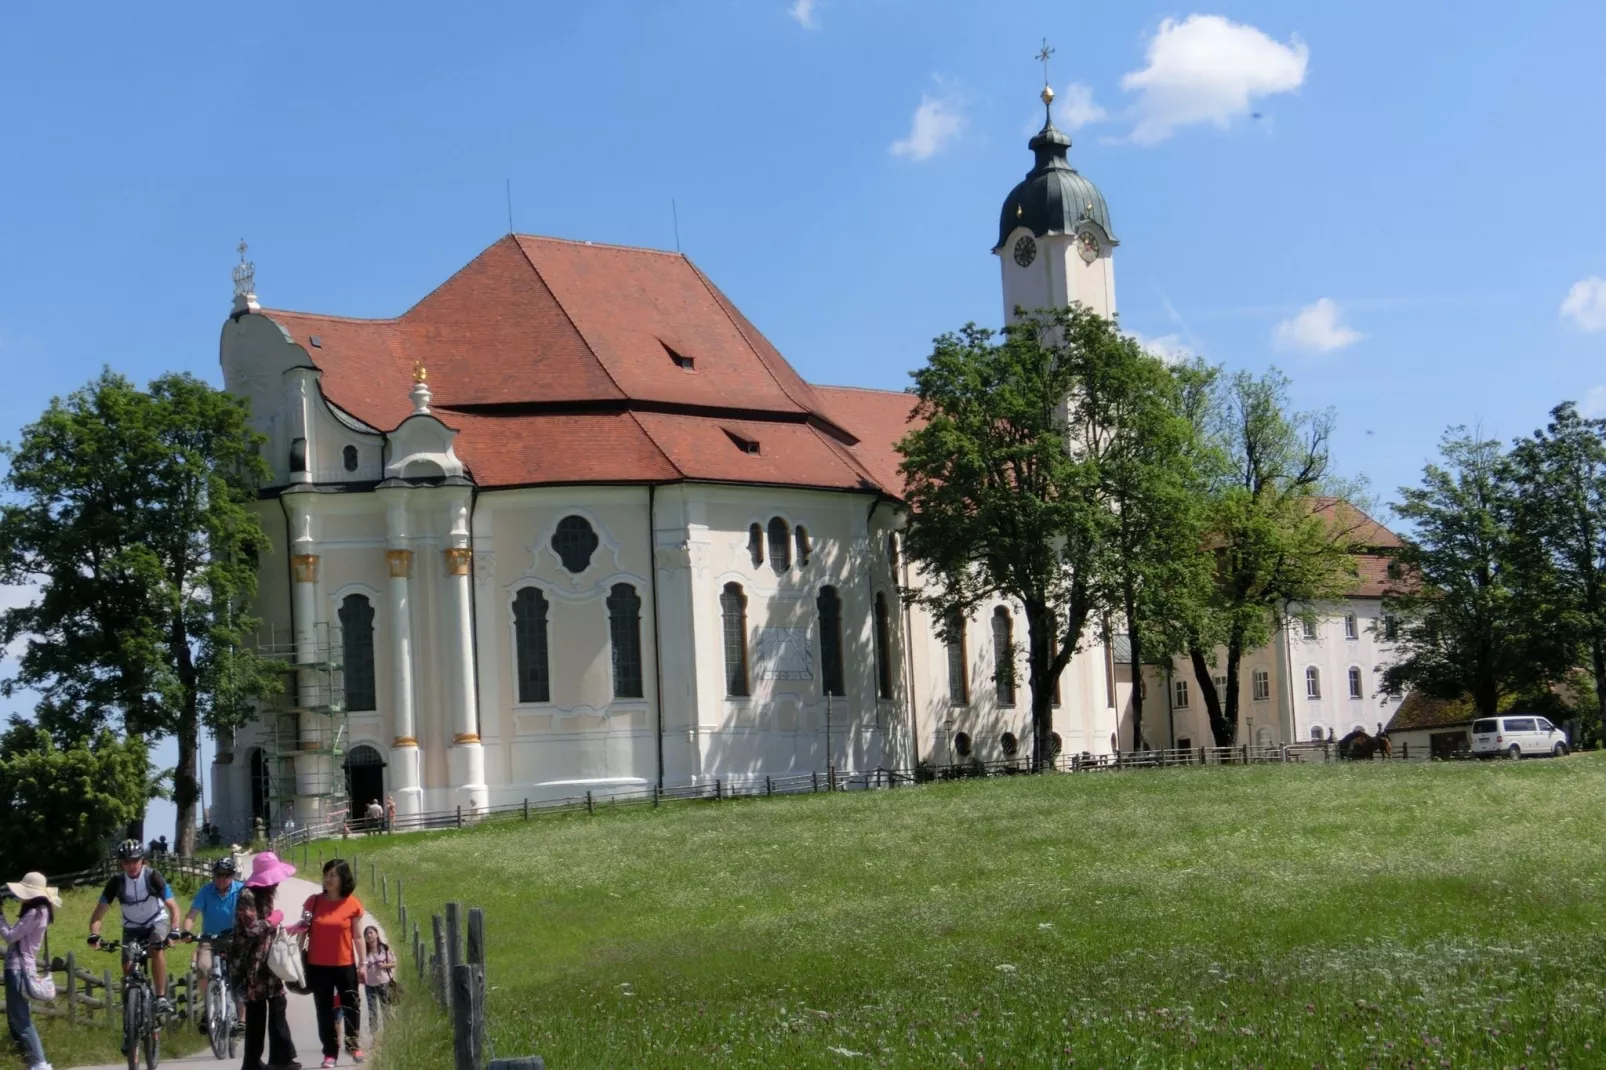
{"points": [[1043, 56], [245, 273]]}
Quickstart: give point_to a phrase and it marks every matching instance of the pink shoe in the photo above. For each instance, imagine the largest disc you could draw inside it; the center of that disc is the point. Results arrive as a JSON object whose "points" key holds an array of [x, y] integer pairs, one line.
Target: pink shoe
{"points": [[328, 1061], [356, 1055]]}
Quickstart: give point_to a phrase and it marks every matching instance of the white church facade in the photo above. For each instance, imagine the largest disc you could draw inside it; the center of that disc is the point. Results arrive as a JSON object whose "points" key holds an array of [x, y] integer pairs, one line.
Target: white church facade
{"points": [[571, 523]]}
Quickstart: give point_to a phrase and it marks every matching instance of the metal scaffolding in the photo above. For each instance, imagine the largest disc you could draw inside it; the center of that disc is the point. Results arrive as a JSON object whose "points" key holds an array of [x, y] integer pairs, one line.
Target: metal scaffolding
{"points": [[306, 729]]}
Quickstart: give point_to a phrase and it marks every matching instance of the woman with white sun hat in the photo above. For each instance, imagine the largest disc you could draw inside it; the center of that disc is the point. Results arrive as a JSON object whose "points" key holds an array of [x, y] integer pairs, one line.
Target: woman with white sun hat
{"points": [[39, 903]]}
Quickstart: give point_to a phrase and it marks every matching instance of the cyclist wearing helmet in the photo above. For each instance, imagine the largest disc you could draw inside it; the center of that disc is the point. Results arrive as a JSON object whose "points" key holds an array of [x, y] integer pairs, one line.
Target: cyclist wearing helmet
{"points": [[214, 905], [149, 912]]}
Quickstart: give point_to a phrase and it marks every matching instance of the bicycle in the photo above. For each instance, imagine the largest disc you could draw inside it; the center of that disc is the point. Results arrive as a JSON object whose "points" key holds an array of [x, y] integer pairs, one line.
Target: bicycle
{"points": [[141, 1024], [221, 1019]]}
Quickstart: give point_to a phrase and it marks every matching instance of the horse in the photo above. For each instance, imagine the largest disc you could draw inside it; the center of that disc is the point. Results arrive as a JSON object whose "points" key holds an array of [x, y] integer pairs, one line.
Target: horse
{"points": [[1358, 746]]}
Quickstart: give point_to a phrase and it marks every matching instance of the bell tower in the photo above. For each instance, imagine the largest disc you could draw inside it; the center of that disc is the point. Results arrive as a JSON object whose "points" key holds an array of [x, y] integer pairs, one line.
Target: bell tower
{"points": [[1055, 242]]}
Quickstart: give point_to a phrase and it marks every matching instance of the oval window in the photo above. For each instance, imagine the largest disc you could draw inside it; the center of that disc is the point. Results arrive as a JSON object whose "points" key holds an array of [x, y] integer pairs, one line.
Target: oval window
{"points": [[574, 542], [962, 745]]}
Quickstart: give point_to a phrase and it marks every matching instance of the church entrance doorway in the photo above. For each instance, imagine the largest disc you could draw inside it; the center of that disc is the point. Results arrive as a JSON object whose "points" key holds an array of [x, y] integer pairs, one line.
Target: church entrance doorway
{"points": [[365, 780]]}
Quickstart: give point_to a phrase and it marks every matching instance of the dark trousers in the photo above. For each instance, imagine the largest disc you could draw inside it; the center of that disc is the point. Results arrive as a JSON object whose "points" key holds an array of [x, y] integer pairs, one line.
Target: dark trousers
{"points": [[264, 1021], [326, 983]]}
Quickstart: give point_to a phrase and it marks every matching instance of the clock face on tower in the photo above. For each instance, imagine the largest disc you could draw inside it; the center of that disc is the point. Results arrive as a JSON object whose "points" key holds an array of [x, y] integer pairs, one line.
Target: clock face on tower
{"points": [[1025, 251], [1088, 247]]}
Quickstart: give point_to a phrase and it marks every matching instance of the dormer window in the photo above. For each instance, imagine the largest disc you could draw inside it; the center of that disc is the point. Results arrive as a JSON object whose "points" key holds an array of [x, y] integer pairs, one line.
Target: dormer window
{"points": [[683, 362], [746, 445], [316, 340]]}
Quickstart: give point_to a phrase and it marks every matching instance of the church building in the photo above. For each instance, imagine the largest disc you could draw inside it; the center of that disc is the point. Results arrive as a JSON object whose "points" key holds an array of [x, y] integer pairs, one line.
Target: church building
{"points": [[572, 523]]}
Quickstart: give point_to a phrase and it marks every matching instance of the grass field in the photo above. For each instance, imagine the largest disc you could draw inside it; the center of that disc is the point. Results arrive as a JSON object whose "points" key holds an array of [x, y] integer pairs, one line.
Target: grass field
{"points": [[1384, 915], [83, 1045]]}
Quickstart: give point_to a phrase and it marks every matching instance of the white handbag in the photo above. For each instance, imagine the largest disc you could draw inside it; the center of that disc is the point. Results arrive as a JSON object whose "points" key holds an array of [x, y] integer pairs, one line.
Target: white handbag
{"points": [[285, 962], [39, 986]]}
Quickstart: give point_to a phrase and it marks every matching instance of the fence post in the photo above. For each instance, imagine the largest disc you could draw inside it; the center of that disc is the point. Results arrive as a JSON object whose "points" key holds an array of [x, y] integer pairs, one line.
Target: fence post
{"points": [[459, 817], [719, 789], [814, 782], [1246, 754], [1405, 752], [655, 793], [401, 914], [454, 938], [591, 806], [72, 987], [111, 1008], [437, 978], [384, 890], [418, 952], [476, 961], [769, 785], [476, 936], [526, 808], [462, 1004]]}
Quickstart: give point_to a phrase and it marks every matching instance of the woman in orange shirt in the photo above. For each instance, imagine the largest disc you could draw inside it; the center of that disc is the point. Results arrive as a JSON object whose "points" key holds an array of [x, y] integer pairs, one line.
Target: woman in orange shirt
{"points": [[333, 921]]}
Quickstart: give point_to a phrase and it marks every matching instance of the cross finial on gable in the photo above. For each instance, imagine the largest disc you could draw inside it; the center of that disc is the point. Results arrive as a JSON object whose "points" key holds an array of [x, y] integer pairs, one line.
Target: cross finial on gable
{"points": [[245, 275], [1043, 56]]}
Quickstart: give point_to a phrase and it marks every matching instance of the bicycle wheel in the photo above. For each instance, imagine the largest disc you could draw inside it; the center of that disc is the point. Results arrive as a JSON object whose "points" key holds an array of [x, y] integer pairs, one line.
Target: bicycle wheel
{"points": [[135, 1014], [217, 1018], [153, 1044]]}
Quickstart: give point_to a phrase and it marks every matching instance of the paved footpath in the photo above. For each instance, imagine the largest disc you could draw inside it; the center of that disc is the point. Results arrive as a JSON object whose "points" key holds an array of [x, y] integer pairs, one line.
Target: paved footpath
{"points": [[303, 1021]]}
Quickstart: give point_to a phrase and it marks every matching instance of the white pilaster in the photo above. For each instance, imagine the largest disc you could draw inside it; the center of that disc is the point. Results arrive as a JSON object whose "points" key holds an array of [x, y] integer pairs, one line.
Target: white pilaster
{"points": [[466, 760], [404, 753], [311, 769]]}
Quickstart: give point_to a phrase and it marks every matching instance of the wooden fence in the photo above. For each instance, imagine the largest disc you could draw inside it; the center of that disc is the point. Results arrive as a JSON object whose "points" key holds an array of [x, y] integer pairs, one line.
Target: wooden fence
{"points": [[77, 1002]]}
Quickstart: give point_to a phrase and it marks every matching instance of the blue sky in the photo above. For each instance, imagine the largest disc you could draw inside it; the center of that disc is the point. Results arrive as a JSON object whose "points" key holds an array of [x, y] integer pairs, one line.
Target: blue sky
{"points": [[1413, 228]]}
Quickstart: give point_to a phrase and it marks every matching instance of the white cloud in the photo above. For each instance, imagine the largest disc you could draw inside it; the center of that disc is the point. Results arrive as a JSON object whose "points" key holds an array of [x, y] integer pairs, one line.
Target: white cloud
{"points": [[937, 123], [1076, 108], [1207, 69], [1170, 348], [1315, 328], [1585, 304], [1594, 403], [803, 12]]}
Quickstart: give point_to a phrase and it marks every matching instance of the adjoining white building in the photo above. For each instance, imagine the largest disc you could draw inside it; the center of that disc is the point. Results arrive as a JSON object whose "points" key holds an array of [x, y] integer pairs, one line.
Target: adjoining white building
{"points": [[571, 523]]}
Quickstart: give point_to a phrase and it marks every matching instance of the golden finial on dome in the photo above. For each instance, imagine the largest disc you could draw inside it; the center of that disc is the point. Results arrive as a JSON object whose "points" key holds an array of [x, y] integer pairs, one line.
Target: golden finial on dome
{"points": [[1047, 95], [420, 374]]}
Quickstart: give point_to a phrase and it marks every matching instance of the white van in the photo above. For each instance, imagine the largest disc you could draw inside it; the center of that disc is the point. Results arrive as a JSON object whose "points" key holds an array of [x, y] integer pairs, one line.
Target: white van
{"points": [[1517, 736]]}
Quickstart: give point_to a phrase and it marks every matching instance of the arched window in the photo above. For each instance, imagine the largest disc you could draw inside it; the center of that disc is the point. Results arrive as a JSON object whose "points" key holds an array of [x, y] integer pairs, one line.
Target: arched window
{"points": [[1355, 682], [883, 647], [357, 643], [1313, 682], [733, 603], [574, 542], [1055, 744], [755, 544], [1009, 744], [830, 607], [529, 640], [962, 745], [804, 550], [780, 546], [624, 624], [958, 661], [892, 550], [348, 457], [1004, 656], [1316, 733], [298, 455]]}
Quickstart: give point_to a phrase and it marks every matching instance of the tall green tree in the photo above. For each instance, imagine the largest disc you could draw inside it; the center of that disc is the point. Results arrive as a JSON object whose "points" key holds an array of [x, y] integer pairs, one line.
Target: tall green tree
{"points": [[61, 805], [132, 517], [1009, 479], [1280, 545], [1157, 470], [1560, 528], [1463, 625]]}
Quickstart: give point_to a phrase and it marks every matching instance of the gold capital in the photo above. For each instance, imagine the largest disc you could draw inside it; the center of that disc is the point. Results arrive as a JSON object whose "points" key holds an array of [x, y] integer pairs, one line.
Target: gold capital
{"points": [[458, 559], [305, 567], [403, 741], [466, 737], [400, 562]]}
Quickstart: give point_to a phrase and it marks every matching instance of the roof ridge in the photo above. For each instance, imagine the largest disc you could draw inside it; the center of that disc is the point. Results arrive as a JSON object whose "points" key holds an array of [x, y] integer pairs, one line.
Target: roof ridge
{"points": [[725, 307], [578, 333], [600, 245], [864, 389], [327, 316]]}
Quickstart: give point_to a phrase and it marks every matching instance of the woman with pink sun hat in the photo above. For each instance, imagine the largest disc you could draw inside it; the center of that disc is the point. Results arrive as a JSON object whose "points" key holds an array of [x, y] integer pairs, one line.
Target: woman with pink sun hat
{"points": [[256, 922]]}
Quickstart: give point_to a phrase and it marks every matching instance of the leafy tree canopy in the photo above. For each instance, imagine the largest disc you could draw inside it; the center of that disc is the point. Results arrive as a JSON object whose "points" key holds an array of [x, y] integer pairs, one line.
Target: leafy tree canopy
{"points": [[61, 805]]}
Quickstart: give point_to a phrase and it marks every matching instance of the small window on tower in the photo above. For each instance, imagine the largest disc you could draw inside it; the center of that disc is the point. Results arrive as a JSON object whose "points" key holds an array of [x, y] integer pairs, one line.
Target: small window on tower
{"points": [[298, 455], [349, 457], [682, 361]]}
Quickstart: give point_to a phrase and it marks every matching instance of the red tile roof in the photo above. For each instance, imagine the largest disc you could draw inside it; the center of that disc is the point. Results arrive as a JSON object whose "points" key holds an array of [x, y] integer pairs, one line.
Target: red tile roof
{"points": [[878, 419], [555, 359]]}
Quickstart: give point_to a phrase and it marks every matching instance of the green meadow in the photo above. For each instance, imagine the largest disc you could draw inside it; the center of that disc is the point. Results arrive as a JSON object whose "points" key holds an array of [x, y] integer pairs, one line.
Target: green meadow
{"points": [[1378, 915]]}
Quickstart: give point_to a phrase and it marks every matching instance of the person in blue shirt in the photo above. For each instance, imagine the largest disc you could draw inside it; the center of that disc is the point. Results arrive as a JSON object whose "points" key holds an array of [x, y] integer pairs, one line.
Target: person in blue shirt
{"points": [[214, 905]]}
